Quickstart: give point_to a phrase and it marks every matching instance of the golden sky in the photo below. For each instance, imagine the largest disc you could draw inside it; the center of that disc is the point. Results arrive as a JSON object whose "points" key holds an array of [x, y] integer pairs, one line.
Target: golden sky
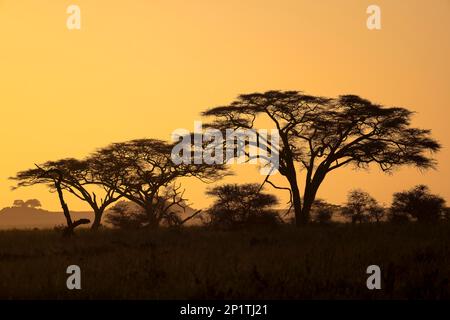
{"points": [[142, 68]]}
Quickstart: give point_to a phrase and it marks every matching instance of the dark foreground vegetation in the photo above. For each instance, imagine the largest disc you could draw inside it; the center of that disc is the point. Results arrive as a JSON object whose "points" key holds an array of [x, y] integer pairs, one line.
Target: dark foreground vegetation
{"points": [[315, 262]]}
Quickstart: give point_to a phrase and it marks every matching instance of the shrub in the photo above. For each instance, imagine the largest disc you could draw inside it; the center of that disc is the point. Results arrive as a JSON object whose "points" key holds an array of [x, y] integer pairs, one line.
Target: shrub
{"points": [[419, 204], [241, 206], [126, 215], [322, 211]]}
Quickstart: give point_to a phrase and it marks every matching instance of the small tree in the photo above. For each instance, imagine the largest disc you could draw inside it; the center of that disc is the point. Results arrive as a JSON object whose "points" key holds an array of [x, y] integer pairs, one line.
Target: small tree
{"points": [[33, 203], [361, 207], [322, 211], [376, 212], [241, 205], [19, 203], [126, 215], [418, 203]]}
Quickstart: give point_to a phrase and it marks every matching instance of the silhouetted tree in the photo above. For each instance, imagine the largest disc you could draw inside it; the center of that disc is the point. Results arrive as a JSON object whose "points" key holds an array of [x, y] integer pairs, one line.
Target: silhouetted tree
{"points": [[54, 178], [377, 212], [126, 215], [322, 211], [418, 203], [142, 171], [324, 134], [78, 177], [360, 207], [241, 205], [33, 203], [19, 203]]}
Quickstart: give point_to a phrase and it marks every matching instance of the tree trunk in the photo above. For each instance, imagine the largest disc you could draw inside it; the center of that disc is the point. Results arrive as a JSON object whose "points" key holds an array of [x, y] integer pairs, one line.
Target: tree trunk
{"points": [[296, 200], [306, 209], [300, 219], [310, 193], [69, 230], [63, 203], [308, 199], [153, 222], [97, 220]]}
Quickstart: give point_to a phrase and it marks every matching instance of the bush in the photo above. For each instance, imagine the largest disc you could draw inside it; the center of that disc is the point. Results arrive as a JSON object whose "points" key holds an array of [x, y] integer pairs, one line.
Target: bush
{"points": [[126, 215], [396, 217], [322, 211], [241, 206], [418, 204]]}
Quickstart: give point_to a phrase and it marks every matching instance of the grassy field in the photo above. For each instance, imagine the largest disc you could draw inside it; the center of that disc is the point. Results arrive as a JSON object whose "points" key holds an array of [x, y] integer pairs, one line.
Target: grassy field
{"points": [[316, 262]]}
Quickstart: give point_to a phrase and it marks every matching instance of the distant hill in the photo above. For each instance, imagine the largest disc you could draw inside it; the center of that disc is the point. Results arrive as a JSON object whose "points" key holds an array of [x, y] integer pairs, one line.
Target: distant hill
{"points": [[28, 218]]}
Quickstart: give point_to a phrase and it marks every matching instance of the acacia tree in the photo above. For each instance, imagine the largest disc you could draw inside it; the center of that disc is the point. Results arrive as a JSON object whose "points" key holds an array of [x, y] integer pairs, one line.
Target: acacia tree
{"points": [[142, 171], [83, 180], [78, 177], [54, 178], [319, 135]]}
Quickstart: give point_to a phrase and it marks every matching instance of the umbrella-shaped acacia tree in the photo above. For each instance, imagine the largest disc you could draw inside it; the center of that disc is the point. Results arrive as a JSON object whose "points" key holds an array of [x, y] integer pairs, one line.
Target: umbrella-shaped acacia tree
{"points": [[78, 177], [320, 135]]}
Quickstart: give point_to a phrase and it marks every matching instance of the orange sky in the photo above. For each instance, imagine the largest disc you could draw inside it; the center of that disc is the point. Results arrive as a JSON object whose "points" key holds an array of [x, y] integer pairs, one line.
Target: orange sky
{"points": [[142, 68]]}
